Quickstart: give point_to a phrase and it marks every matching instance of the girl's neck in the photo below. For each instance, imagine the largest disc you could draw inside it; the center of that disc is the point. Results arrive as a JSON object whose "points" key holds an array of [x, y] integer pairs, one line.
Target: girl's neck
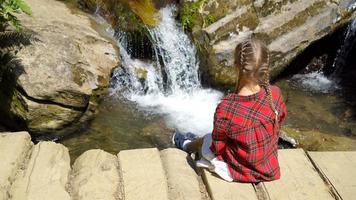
{"points": [[248, 90]]}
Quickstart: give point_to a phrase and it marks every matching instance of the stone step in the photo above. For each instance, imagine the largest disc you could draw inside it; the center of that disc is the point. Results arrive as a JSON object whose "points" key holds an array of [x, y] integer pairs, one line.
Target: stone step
{"points": [[339, 170], [45, 176], [223, 190], [182, 179], [299, 179], [14, 150], [143, 175], [95, 175]]}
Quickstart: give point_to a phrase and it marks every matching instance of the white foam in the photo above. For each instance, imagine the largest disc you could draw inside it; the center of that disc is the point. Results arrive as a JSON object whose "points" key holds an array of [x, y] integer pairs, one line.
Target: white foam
{"points": [[192, 112], [315, 82], [185, 104]]}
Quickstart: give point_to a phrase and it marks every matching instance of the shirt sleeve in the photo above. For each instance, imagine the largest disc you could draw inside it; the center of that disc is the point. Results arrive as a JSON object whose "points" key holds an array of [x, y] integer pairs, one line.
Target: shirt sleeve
{"points": [[220, 130], [282, 108]]}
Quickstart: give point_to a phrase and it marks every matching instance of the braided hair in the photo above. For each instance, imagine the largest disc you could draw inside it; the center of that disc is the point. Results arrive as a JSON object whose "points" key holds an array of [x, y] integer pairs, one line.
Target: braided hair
{"points": [[252, 57]]}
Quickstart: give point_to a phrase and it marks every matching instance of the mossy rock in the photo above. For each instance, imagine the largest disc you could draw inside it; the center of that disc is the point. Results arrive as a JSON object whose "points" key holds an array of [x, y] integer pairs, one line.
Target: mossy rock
{"points": [[287, 27]]}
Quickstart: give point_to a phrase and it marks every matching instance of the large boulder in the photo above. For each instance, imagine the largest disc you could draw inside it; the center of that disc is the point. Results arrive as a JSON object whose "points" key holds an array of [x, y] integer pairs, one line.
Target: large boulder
{"points": [[61, 76], [286, 26]]}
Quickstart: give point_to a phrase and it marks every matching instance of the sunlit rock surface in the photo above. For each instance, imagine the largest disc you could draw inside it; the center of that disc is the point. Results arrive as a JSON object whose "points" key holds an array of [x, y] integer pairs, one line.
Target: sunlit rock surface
{"points": [[62, 74], [286, 26]]}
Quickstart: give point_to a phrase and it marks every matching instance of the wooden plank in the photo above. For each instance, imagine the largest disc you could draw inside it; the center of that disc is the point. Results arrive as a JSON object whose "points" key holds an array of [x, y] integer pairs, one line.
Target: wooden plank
{"points": [[339, 169], [220, 189], [14, 149], [299, 179], [182, 180], [143, 175]]}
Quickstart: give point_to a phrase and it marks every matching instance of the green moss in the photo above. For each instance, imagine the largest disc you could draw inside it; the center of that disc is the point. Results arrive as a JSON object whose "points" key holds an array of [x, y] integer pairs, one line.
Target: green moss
{"points": [[271, 6], [17, 104], [145, 10], [208, 20], [299, 19], [190, 13], [79, 75], [248, 19]]}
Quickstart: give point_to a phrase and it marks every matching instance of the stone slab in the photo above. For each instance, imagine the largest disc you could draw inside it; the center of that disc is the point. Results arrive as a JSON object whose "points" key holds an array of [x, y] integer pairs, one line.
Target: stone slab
{"points": [[220, 189], [339, 169], [299, 179], [182, 179], [143, 175], [14, 148], [45, 176], [95, 175]]}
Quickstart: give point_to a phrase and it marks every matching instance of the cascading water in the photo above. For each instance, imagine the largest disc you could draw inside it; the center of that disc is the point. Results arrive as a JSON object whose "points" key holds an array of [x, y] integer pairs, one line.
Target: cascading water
{"points": [[170, 84], [317, 81], [343, 52]]}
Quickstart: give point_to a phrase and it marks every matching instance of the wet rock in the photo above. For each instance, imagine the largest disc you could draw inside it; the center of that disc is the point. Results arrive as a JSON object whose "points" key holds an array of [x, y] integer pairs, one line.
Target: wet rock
{"points": [[61, 75], [286, 26]]}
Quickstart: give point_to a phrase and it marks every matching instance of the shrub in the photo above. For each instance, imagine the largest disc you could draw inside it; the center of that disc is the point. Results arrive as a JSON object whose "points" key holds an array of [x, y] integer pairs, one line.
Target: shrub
{"points": [[8, 11]]}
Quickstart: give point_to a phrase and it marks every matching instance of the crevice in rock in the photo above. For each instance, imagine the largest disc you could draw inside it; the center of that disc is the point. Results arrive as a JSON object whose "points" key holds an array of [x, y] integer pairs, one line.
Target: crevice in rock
{"points": [[43, 101]]}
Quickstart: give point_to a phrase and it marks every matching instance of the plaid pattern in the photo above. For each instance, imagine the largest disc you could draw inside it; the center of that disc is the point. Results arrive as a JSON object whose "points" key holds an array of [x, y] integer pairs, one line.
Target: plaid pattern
{"points": [[245, 136]]}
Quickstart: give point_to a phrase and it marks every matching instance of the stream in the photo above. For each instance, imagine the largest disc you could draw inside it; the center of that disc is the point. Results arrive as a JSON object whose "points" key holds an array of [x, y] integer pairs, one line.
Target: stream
{"points": [[149, 99]]}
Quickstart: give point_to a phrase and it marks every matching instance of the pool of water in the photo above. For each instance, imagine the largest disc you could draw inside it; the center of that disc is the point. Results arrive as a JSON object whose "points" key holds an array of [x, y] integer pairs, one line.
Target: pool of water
{"points": [[119, 126], [321, 115], [318, 119]]}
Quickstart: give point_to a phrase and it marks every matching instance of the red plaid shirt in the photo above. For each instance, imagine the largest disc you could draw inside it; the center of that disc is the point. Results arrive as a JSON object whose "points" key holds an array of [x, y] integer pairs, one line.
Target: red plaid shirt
{"points": [[245, 136]]}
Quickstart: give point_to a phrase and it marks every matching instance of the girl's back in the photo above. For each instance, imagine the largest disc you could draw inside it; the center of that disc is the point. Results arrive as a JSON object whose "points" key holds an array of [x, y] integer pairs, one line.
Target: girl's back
{"points": [[251, 135]]}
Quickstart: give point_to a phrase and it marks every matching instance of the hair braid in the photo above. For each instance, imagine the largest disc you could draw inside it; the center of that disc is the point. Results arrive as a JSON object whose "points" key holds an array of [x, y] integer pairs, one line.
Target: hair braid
{"points": [[253, 58]]}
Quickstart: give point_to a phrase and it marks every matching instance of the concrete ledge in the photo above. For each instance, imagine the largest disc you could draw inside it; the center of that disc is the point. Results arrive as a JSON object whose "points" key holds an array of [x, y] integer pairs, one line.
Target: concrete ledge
{"points": [[182, 180], [339, 170], [45, 176], [95, 175], [143, 175], [299, 179], [14, 149], [223, 190]]}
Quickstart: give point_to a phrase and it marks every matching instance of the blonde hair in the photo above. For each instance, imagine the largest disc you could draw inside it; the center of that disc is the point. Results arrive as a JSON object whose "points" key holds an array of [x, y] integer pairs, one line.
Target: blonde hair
{"points": [[252, 56]]}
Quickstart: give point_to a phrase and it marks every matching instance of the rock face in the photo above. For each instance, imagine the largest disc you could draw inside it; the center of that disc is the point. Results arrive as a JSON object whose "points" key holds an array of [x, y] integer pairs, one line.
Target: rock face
{"points": [[62, 74], [286, 26]]}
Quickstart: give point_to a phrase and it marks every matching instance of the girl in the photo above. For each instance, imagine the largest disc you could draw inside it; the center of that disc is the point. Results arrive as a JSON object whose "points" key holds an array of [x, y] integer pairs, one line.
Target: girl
{"points": [[243, 144]]}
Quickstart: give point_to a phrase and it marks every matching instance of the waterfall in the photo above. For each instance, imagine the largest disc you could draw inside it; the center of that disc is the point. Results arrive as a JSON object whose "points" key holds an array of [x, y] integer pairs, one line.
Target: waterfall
{"points": [[168, 84], [317, 81], [344, 50]]}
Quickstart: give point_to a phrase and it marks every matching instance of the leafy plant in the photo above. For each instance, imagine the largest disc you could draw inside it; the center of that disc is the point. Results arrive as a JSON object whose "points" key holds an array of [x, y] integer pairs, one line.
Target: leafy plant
{"points": [[10, 39], [209, 19], [8, 11], [190, 13]]}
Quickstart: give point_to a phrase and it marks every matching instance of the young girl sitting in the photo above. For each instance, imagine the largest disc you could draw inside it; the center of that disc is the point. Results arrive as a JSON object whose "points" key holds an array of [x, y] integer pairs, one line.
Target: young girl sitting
{"points": [[243, 144]]}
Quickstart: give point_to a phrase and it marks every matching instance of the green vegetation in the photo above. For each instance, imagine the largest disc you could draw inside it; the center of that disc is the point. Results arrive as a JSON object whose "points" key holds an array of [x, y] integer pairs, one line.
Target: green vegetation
{"points": [[8, 9], [209, 19], [10, 65], [190, 13]]}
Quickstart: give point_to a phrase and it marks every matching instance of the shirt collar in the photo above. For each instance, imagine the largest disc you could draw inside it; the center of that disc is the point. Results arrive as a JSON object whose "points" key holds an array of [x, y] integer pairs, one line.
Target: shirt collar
{"points": [[236, 97]]}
